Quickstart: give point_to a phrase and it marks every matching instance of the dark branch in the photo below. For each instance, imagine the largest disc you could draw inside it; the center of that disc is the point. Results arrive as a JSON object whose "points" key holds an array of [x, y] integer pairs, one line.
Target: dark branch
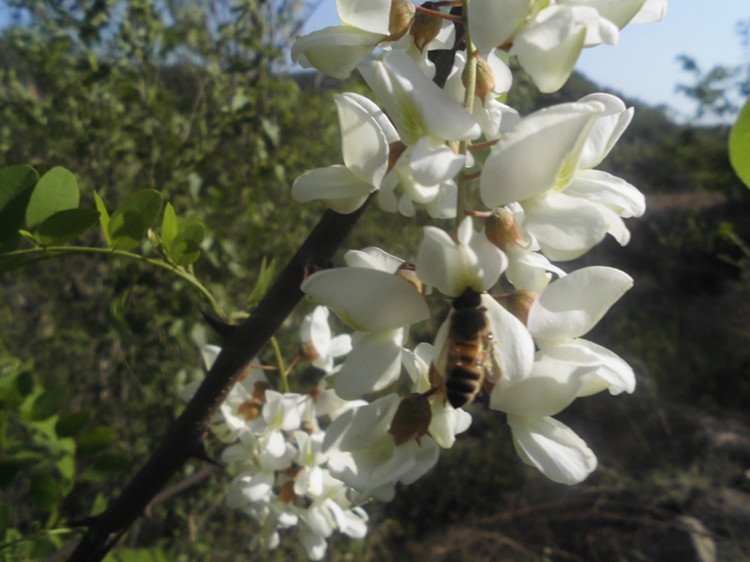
{"points": [[239, 348]]}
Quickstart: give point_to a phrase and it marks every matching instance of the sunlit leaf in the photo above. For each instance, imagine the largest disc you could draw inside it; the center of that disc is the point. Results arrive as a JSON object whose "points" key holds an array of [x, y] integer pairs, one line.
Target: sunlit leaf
{"points": [[103, 217], [131, 221], [16, 185], [739, 144], [67, 225], [168, 225], [185, 249], [56, 191]]}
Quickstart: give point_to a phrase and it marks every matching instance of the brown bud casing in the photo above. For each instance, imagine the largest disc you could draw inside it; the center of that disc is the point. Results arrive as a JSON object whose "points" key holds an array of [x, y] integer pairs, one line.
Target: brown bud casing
{"points": [[502, 229], [425, 27], [400, 19], [519, 303]]}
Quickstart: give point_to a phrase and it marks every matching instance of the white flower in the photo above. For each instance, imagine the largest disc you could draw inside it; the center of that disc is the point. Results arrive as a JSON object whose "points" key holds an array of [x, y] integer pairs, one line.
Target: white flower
{"points": [[337, 50], [569, 308], [366, 134], [453, 266], [379, 305], [316, 339], [425, 117], [567, 207], [363, 454]]}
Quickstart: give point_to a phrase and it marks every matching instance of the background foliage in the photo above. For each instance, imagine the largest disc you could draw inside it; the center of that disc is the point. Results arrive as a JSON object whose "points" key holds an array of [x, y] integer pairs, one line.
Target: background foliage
{"points": [[187, 98]]}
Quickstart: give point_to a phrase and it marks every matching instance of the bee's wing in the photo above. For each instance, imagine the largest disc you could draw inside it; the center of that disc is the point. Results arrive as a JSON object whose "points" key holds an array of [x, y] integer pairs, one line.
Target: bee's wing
{"points": [[494, 369], [442, 346]]}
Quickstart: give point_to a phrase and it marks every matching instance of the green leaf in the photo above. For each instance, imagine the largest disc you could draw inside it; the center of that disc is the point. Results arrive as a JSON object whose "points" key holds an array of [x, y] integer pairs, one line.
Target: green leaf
{"points": [[67, 225], [185, 249], [106, 467], [168, 225], [739, 144], [103, 217], [70, 425], [56, 191], [265, 277], [16, 185], [94, 440], [44, 492], [49, 402], [131, 221]]}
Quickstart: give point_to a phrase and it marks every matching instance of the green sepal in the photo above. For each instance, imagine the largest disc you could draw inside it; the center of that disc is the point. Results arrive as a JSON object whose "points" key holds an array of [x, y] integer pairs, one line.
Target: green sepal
{"points": [[103, 218], [168, 225]]}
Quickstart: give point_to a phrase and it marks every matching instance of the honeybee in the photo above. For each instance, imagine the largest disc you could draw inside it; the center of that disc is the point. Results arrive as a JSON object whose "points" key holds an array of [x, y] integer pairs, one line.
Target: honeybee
{"points": [[468, 358]]}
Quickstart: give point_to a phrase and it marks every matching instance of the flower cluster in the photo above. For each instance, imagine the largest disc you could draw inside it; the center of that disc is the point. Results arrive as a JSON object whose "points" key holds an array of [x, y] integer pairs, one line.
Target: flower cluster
{"points": [[516, 325]]}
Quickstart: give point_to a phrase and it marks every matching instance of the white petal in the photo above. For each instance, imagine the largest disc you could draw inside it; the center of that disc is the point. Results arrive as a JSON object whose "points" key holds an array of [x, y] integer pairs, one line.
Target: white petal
{"points": [[433, 162], [417, 105], [553, 448], [452, 267], [336, 185], [363, 143], [373, 364], [548, 389], [209, 353], [515, 169], [571, 306], [607, 129], [548, 51], [336, 50], [366, 299], [369, 15], [653, 10], [565, 227], [373, 258], [610, 370], [619, 12], [493, 22], [512, 343], [602, 187]]}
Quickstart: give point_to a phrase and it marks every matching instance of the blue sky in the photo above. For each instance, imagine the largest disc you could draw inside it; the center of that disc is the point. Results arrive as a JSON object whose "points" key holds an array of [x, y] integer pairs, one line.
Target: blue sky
{"points": [[644, 65]]}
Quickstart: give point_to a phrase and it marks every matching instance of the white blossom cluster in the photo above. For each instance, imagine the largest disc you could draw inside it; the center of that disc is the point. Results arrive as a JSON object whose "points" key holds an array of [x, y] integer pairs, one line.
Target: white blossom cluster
{"points": [[383, 408]]}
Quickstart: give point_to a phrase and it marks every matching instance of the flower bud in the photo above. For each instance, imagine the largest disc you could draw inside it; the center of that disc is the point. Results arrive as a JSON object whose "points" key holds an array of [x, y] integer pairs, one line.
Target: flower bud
{"points": [[408, 272], [502, 229], [250, 409], [395, 150], [485, 80], [519, 303], [412, 418], [286, 493], [400, 19], [308, 352], [425, 27]]}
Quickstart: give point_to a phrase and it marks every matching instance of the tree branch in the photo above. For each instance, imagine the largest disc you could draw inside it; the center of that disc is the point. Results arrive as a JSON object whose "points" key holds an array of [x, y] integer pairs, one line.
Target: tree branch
{"points": [[240, 347]]}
